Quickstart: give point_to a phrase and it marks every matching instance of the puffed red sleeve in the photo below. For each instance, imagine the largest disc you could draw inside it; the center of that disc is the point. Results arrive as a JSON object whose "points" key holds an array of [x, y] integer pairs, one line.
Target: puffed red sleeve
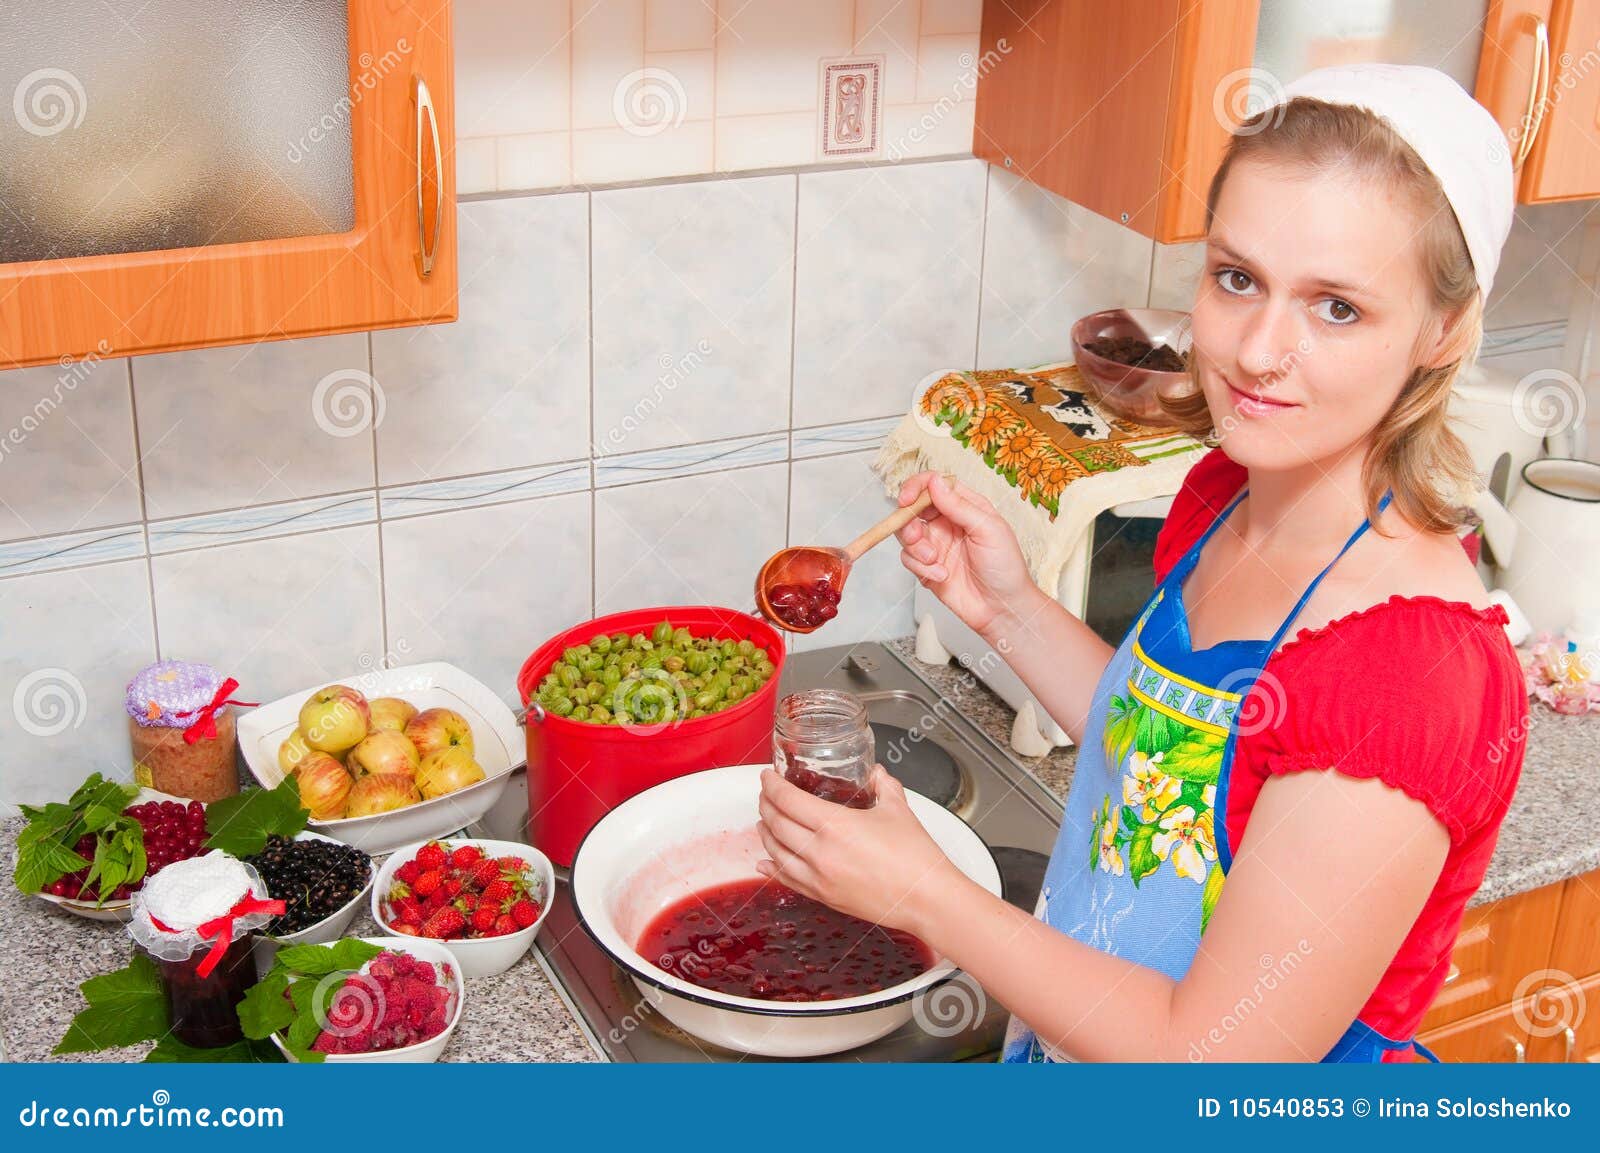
{"points": [[1211, 483], [1424, 694]]}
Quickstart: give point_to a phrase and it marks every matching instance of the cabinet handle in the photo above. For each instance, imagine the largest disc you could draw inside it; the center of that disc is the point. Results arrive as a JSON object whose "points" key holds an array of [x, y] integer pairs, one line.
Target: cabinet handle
{"points": [[1571, 1040], [426, 246], [1519, 1051], [1538, 89], [1453, 975]]}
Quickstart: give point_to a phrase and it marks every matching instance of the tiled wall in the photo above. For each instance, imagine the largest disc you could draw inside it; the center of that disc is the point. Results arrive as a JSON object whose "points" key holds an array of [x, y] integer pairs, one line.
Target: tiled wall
{"points": [[732, 349], [585, 92]]}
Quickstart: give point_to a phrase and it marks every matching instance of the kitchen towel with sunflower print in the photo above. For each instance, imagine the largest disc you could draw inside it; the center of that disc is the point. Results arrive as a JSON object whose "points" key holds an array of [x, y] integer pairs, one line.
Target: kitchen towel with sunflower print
{"points": [[1033, 442]]}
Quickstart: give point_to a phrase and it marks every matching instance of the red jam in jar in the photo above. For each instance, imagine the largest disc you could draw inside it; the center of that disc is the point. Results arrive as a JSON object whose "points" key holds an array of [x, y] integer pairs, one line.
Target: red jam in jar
{"points": [[761, 939], [205, 1010], [821, 741]]}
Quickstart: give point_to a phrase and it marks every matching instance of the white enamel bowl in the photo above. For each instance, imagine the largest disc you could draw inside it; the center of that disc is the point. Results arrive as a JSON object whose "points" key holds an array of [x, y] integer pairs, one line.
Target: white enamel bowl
{"points": [[497, 744], [120, 911], [429, 1050], [686, 835], [477, 956], [325, 931]]}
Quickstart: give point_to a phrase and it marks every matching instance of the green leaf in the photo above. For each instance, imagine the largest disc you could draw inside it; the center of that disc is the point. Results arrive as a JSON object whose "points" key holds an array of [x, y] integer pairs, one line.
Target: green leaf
{"points": [[1142, 859], [241, 824], [303, 1030], [170, 1050], [1208, 897], [265, 1009], [44, 862], [125, 1007], [352, 953], [1130, 818], [1197, 757]]}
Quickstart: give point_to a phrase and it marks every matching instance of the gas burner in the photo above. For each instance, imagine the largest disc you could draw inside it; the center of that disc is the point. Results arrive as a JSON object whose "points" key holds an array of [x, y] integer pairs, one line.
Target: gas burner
{"points": [[921, 765], [1021, 875]]}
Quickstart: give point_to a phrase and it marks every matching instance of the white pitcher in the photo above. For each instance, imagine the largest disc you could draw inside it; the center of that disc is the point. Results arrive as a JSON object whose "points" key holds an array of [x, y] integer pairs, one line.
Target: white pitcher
{"points": [[1547, 543]]}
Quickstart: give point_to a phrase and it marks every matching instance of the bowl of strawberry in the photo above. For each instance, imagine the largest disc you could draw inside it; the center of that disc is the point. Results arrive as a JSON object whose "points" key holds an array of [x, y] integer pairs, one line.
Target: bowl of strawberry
{"points": [[483, 900]]}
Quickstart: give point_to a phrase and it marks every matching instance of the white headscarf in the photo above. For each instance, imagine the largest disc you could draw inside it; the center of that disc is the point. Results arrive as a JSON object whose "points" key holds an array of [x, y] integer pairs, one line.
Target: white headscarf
{"points": [[1455, 136]]}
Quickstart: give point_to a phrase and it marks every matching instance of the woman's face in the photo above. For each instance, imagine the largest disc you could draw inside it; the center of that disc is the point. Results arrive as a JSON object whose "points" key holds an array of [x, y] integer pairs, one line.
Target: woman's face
{"points": [[1308, 312]]}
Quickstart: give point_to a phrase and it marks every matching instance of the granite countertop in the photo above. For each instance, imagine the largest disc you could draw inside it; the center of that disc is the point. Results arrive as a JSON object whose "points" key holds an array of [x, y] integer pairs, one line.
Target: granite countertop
{"points": [[1549, 835], [1552, 831]]}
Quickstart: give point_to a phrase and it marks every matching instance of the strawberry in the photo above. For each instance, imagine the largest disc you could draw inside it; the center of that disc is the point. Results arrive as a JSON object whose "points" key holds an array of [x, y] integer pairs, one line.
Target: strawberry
{"points": [[497, 892], [451, 886], [465, 856], [444, 923], [431, 855], [435, 901], [483, 920], [516, 863], [409, 872], [503, 924], [524, 913], [407, 911], [467, 902], [428, 883], [483, 872], [408, 930]]}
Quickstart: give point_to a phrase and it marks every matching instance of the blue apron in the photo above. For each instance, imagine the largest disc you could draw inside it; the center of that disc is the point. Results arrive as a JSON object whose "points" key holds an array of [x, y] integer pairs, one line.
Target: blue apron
{"points": [[1143, 849]]}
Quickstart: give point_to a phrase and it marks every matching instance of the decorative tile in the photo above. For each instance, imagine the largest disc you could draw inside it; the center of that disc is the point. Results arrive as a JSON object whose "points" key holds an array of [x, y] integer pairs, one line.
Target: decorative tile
{"points": [[246, 424], [67, 459], [696, 540], [482, 588], [888, 28], [70, 550], [543, 160], [484, 489], [850, 107], [621, 155], [830, 501], [507, 385], [511, 67], [781, 140], [63, 686], [692, 311], [1047, 262], [607, 54], [767, 53], [262, 521], [281, 615], [689, 459], [886, 285], [837, 438]]}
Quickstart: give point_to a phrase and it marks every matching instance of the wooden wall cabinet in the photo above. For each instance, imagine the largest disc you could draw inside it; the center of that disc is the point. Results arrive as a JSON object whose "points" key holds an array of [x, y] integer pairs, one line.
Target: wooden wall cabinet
{"points": [[1525, 980], [389, 260]]}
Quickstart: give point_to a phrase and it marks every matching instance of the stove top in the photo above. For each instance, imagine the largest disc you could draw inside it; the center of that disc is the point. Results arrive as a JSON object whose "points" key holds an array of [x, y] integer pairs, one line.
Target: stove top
{"points": [[923, 741]]}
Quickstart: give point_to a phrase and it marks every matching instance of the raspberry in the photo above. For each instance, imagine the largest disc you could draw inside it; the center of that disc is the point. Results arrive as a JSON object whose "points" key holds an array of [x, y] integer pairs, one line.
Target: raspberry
{"points": [[423, 971], [524, 913], [431, 855], [466, 856], [382, 967], [326, 1042], [427, 883]]}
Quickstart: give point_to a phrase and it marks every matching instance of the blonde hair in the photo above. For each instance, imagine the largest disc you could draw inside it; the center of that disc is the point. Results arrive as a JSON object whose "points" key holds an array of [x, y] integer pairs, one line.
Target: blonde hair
{"points": [[1414, 452]]}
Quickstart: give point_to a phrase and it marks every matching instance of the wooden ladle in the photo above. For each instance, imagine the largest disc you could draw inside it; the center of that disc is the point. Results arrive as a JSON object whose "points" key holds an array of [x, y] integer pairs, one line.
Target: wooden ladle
{"points": [[798, 589]]}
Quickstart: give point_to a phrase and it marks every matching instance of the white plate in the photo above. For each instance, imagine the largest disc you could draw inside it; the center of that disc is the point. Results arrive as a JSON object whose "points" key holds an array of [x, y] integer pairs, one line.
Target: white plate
{"points": [[111, 910], [497, 743]]}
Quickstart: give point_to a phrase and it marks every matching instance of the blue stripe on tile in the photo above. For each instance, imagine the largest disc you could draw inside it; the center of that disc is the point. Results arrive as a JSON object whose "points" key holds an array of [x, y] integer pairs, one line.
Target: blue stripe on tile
{"points": [[262, 521], [483, 489], [1524, 338], [69, 550], [689, 459], [850, 437]]}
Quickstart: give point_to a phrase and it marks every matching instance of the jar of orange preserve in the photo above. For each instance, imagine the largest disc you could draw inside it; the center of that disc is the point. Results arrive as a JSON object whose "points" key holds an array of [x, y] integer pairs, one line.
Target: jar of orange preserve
{"points": [[181, 729]]}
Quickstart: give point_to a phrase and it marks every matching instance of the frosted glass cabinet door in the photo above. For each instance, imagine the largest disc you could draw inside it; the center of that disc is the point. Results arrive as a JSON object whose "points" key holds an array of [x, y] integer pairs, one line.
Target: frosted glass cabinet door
{"points": [[181, 173]]}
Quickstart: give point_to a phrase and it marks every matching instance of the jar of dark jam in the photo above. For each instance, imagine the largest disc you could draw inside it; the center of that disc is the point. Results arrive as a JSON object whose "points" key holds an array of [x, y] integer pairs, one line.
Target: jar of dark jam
{"points": [[204, 1011], [821, 741]]}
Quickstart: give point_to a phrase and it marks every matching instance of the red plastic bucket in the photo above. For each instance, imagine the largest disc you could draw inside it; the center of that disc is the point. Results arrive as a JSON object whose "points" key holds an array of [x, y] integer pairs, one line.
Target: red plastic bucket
{"points": [[578, 772]]}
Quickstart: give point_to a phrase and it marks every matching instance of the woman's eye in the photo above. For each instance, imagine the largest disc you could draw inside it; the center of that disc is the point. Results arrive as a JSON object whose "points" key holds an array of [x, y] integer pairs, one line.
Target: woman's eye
{"points": [[1335, 311], [1232, 280]]}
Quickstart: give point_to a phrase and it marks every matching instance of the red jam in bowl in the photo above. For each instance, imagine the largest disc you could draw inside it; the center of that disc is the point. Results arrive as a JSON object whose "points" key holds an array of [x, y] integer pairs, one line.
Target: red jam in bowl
{"points": [[760, 939]]}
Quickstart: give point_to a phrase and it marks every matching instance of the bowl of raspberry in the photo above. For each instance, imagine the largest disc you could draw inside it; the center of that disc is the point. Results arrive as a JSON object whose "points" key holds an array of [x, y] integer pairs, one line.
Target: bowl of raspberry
{"points": [[483, 900]]}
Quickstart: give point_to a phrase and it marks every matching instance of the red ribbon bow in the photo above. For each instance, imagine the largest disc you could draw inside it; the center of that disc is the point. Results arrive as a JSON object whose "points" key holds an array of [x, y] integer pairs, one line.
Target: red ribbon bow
{"points": [[219, 930], [204, 725]]}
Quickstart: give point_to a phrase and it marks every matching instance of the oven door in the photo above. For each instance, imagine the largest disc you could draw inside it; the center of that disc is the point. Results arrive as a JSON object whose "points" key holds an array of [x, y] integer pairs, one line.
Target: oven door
{"points": [[1121, 570]]}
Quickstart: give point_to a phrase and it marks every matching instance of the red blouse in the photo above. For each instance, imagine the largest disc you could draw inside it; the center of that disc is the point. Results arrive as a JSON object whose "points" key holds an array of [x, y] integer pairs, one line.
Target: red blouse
{"points": [[1426, 695]]}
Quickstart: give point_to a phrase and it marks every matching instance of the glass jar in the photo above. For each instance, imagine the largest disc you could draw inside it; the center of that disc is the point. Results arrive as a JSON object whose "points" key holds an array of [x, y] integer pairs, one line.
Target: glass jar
{"points": [[181, 731], [821, 741], [204, 1011]]}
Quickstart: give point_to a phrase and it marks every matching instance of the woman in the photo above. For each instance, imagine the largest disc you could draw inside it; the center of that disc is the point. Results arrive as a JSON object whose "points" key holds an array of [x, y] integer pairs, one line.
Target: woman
{"points": [[1348, 784]]}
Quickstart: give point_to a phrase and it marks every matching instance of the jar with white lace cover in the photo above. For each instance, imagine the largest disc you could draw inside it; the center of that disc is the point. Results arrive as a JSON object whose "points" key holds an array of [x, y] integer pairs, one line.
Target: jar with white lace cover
{"points": [[194, 919]]}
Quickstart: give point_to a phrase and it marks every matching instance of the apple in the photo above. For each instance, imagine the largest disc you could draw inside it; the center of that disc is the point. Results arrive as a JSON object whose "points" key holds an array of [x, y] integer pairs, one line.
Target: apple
{"points": [[435, 729], [391, 713], [383, 752], [381, 793], [324, 786], [334, 719], [446, 771], [293, 750]]}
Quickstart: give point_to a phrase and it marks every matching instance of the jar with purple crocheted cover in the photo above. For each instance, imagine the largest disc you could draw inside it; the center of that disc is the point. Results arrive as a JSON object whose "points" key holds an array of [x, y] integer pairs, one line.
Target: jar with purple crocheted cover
{"points": [[181, 728]]}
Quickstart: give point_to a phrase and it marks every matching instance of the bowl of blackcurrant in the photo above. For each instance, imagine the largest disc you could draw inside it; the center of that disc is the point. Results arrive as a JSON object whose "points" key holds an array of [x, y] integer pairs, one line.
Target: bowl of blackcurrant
{"points": [[322, 883]]}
